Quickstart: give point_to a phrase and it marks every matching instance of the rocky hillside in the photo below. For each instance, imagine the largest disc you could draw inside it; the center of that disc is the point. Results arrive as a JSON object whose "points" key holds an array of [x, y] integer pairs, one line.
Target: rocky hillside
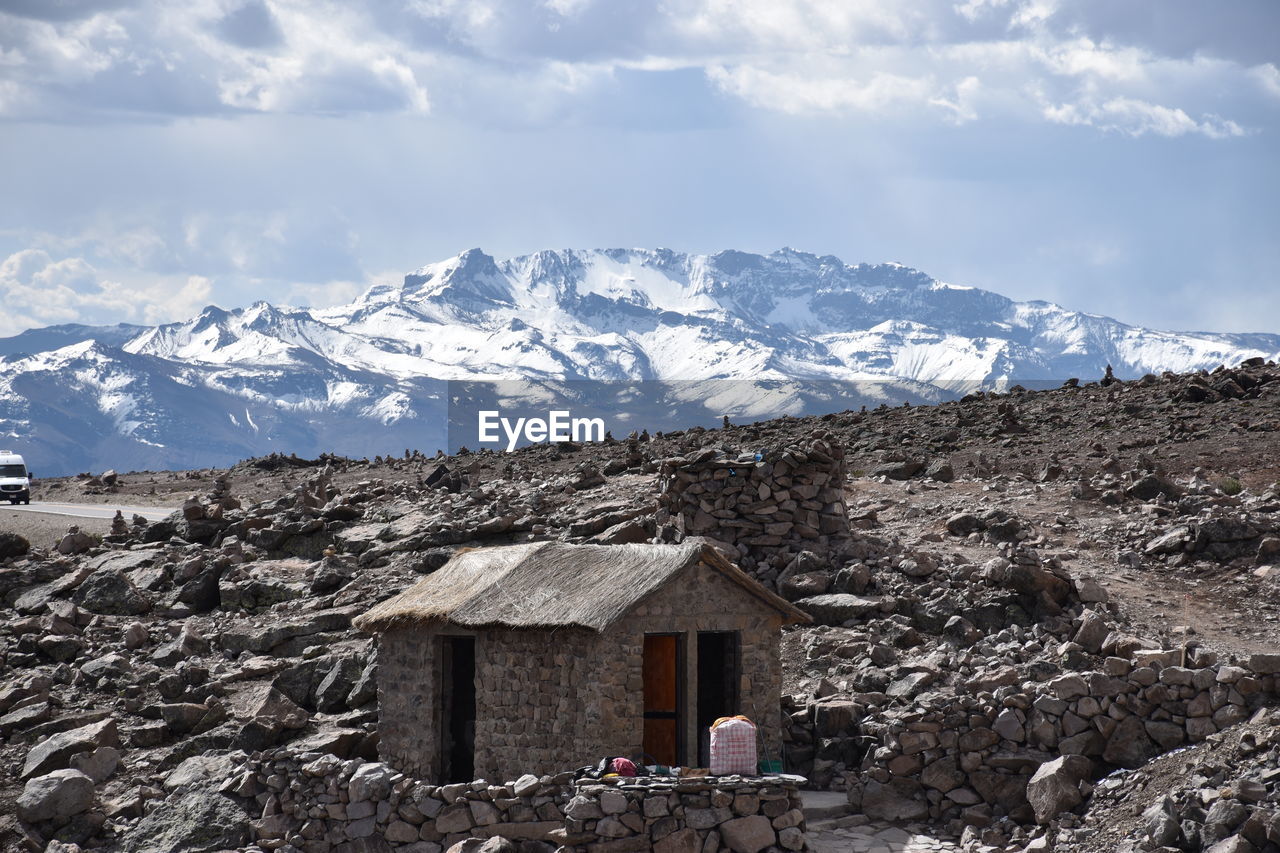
{"points": [[666, 339], [1044, 594]]}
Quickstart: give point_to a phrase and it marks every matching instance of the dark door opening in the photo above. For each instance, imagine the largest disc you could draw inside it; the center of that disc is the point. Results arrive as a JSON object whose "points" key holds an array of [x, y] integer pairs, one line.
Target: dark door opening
{"points": [[718, 678], [663, 698], [458, 709]]}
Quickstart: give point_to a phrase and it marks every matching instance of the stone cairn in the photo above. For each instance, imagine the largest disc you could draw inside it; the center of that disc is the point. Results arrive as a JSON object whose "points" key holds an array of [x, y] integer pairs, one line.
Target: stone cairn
{"points": [[760, 511], [319, 803]]}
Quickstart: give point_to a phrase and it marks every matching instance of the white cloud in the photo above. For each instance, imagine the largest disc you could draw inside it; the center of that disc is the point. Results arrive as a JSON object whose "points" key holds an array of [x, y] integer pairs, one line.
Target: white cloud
{"points": [[1136, 118], [799, 93], [1269, 76], [535, 63], [39, 291]]}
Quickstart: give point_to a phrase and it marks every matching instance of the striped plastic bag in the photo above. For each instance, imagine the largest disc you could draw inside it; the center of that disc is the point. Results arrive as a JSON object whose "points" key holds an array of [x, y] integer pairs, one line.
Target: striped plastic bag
{"points": [[733, 746]]}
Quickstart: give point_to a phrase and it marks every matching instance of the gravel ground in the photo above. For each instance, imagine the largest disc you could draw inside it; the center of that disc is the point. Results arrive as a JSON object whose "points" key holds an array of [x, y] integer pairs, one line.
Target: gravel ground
{"points": [[43, 530]]}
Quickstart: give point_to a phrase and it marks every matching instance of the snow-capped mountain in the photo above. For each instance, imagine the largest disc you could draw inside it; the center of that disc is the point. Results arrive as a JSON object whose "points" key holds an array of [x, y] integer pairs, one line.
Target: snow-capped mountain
{"points": [[685, 337]]}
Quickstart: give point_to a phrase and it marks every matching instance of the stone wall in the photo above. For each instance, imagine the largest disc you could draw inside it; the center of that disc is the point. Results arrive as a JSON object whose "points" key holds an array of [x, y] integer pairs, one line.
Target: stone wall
{"points": [[408, 704], [323, 804], [970, 757], [534, 699], [766, 511]]}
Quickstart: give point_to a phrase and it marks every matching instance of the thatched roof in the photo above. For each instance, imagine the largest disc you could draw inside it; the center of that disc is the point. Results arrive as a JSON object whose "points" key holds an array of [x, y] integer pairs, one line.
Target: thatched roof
{"points": [[552, 584]]}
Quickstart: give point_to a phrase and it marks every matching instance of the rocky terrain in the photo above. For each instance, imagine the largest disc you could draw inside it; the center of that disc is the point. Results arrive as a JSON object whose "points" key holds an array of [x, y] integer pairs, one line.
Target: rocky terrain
{"points": [[1055, 624]]}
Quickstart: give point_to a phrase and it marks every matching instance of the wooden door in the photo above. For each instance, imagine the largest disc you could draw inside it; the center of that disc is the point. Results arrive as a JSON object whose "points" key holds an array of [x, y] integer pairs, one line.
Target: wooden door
{"points": [[662, 698]]}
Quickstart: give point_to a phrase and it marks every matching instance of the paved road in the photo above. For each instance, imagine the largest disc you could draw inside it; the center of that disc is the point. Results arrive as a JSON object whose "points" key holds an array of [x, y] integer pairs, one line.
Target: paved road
{"points": [[107, 511]]}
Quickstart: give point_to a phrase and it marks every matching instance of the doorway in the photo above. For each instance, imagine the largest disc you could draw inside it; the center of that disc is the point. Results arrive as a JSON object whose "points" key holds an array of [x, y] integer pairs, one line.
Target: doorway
{"points": [[663, 698], [719, 672], [457, 709]]}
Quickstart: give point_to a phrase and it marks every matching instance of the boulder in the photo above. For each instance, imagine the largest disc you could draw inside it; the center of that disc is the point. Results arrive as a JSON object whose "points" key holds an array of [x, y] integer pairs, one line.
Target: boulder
{"points": [[195, 821], [963, 523], [55, 751], [1129, 746], [805, 585], [748, 834], [13, 545], [111, 593], [1055, 787], [55, 796], [75, 541], [1093, 631], [838, 608]]}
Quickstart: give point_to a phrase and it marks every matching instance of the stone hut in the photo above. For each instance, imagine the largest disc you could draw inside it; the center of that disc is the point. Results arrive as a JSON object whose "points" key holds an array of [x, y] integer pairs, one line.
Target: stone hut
{"points": [[542, 657]]}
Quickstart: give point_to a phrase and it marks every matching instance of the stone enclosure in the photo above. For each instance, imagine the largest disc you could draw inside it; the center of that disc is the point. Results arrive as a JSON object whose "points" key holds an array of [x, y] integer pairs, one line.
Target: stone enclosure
{"points": [[322, 804]]}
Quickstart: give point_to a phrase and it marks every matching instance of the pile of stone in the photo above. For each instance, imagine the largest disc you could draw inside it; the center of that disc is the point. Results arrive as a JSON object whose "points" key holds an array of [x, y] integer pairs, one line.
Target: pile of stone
{"points": [[319, 803], [762, 507], [1222, 796]]}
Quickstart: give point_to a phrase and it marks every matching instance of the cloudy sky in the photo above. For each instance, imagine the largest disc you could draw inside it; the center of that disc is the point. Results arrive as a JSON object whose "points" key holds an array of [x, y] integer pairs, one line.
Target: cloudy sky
{"points": [[1116, 157]]}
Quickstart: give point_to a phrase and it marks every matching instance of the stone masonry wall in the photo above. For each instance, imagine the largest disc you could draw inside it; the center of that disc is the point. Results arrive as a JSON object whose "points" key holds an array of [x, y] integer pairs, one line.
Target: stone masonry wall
{"points": [[766, 511], [971, 757], [408, 707], [323, 804], [532, 689]]}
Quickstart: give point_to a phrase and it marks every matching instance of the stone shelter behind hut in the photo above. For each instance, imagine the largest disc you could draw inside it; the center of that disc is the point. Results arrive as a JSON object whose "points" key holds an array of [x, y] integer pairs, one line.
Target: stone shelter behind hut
{"points": [[541, 657]]}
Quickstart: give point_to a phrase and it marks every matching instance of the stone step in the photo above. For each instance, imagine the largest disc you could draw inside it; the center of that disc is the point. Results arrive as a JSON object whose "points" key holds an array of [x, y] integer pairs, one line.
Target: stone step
{"points": [[823, 805]]}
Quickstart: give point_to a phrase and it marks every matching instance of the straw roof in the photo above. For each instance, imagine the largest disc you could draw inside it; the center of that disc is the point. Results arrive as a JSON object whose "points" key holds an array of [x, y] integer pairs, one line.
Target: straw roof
{"points": [[552, 584]]}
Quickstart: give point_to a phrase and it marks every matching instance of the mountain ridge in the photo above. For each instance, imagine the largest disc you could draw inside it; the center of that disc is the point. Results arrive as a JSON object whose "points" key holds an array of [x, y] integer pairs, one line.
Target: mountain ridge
{"points": [[369, 376]]}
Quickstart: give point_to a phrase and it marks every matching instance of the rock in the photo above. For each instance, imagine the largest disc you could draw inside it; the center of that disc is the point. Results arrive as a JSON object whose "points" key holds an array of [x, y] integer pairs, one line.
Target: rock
{"points": [[332, 691], [1090, 591], [1232, 844], [197, 821], [1128, 746], [75, 541], [1264, 664], [748, 834], [111, 593], [963, 523], [1170, 542], [370, 782], [55, 751], [13, 545], [135, 635], [804, 585], [198, 770], [1093, 631], [1161, 825], [526, 786], [1055, 787], [940, 471], [899, 799], [838, 608], [55, 796], [98, 765]]}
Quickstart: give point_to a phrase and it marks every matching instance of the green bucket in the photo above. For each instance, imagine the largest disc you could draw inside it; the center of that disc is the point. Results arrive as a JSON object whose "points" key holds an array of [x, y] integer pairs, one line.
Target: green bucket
{"points": [[770, 768]]}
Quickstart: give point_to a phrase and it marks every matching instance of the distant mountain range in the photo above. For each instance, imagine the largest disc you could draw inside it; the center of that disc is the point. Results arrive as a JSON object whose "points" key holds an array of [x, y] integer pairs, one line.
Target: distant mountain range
{"points": [[750, 335]]}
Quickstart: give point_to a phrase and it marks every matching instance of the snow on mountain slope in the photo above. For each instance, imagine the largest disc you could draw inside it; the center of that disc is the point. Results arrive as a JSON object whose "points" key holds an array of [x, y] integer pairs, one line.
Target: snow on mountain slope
{"points": [[748, 334]]}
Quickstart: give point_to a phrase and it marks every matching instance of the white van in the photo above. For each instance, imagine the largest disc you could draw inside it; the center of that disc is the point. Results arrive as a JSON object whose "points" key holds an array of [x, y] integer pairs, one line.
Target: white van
{"points": [[15, 479]]}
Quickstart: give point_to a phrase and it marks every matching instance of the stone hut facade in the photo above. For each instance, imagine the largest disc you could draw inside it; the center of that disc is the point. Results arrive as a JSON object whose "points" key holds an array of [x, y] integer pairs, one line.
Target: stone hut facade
{"points": [[767, 509], [543, 657]]}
